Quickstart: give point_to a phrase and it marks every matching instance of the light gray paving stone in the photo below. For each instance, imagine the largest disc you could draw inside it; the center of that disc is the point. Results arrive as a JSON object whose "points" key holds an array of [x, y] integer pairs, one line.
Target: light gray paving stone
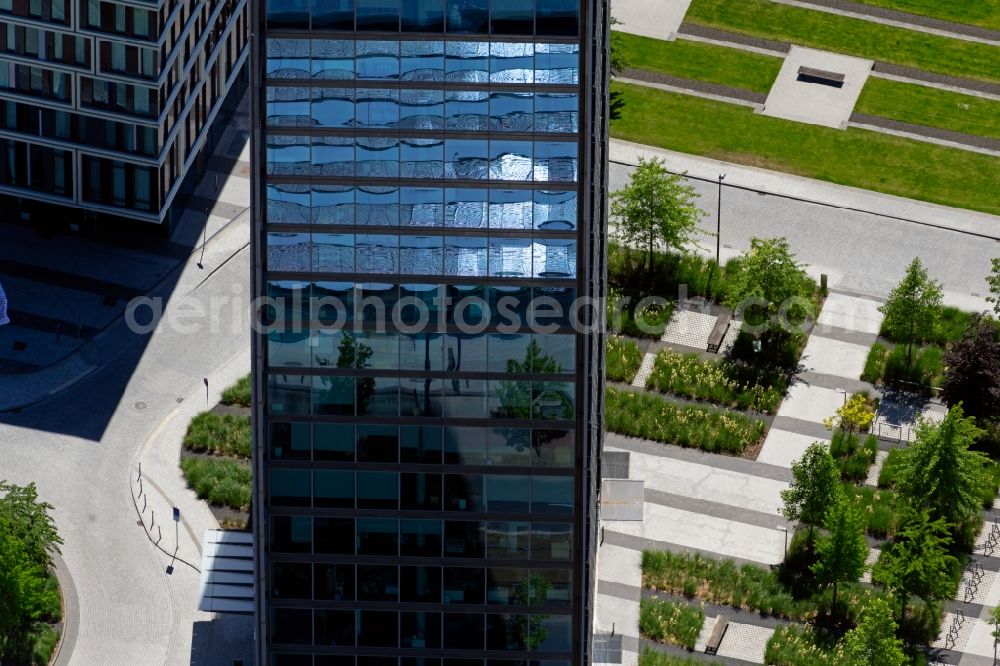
{"points": [[783, 448], [706, 631], [876, 468], [963, 634], [873, 555], [745, 641], [645, 370], [689, 329]]}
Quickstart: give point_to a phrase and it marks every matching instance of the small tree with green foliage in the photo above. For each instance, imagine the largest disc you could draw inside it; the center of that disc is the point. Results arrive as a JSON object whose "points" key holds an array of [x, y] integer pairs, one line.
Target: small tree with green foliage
{"points": [[618, 60], [656, 208], [995, 623], [972, 372], [813, 488], [841, 554], [993, 282], [911, 310], [765, 279], [873, 642], [940, 475], [855, 414], [918, 562]]}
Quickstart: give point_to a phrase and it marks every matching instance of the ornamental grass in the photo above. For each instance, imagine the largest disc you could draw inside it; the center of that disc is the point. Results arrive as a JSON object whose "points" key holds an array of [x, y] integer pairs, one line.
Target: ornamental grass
{"points": [[728, 383], [623, 359], [674, 623]]}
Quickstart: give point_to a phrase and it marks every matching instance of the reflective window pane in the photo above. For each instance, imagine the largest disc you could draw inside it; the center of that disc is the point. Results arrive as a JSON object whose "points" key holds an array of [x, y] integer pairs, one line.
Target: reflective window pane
{"points": [[513, 17], [470, 16], [381, 15], [423, 15], [421, 61], [333, 59]]}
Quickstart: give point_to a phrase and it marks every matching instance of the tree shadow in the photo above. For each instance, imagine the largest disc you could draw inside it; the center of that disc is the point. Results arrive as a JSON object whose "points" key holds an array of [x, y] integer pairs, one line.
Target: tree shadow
{"points": [[617, 103]]}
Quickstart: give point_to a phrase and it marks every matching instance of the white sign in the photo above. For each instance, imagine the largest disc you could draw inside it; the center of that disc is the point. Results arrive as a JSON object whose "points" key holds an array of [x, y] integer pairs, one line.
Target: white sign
{"points": [[4, 319]]}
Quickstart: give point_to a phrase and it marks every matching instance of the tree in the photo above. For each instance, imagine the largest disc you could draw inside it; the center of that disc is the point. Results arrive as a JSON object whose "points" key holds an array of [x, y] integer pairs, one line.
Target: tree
{"points": [[972, 371], [912, 308], [617, 56], [656, 207], [993, 281], [855, 414], [917, 562], [995, 622], [28, 538], [842, 553], [766, 278], [814, 486], [939, 474], [873, 642]]}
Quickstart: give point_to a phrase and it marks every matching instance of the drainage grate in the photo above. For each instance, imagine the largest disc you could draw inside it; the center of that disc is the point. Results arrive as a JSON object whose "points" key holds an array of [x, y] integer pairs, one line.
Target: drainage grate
{"points": [[614, 465], [607, 649]]}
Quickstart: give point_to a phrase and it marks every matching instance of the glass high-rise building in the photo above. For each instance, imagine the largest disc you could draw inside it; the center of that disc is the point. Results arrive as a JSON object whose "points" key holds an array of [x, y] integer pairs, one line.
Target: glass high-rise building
{"points": [[429, 233], [106, 106]]}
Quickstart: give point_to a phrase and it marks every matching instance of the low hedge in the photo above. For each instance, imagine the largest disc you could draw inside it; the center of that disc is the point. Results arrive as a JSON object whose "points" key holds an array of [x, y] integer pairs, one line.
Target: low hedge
{"points": [[623, 359], [225, 435], [728, 383], [221, 481], [238, 393], [669, 622], [649, 417]]}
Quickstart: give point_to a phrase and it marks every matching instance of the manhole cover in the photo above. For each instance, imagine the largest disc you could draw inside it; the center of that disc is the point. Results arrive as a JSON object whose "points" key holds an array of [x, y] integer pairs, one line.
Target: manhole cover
{"points": [[140, 406], [179, 400]]}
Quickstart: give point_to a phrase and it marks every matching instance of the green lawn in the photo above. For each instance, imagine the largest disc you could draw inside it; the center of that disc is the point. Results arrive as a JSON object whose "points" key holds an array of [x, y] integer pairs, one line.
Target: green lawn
{"points": [[985, 13], [858, 37], [702, 62], [854, 157], [932, 107]]}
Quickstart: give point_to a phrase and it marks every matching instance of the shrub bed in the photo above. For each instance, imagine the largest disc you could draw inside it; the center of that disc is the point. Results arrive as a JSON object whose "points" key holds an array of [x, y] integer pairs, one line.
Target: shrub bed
{"points": [[650, 657], [238, 393], [723, 382], [670, 622], [888, 365], [623, 359], [628, 271], [880, 507], [226, 435], [630, 316], [649, 417], [221, 481], [852, 457], [798, 645]]}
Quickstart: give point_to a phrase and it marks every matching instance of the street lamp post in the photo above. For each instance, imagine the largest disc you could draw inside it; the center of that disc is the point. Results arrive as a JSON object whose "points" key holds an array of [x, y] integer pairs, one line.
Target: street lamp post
{"points": [[718, 223], [784, 528]]}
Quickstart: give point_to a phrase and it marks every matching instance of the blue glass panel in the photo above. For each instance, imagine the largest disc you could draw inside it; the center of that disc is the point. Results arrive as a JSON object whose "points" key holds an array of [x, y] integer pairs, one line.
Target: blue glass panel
{"points": [[288, 14], [378, 254], [422, 351], [377, 157], [288, 59], [333, 14], [423, 16], [420, 444], [327, 295], [287, 107], [421, 109], [554, 258], [510, 209], [333, 349], [289, 349], [421, 158], [468, 159], [332, 156], [510, 160], [333, 395], [508, 351], [553, 448], [511, 111], [382, 15], [468, 402], [377, 206], [507, 493], [467, 110], [468, 309], [552, 401], [421, 61], [466, 208], [464, 446], [420, 255], [556, 161], [510, 446], [512, 62], [288, 394], [560, 348], [333, 253], [421, 206], [557, 63], [557, 630], [378, 59], [510, 257], [555, 210], [289, 487], [557, 112], [383, 399], [557, 17], [465, 353], [380, 350], [333, 489], [288, 251], [420, 397], [333, 59], [377, 107], [287, 204], [467, 62], [513, 17], [465, 256], [333, 107], [470, 16], [287, 155], [332, 204]]}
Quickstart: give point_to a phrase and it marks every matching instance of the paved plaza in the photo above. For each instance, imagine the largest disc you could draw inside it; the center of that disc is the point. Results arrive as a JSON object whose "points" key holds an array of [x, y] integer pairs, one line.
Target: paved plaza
{"points": [[796, 97], [659, 19]]}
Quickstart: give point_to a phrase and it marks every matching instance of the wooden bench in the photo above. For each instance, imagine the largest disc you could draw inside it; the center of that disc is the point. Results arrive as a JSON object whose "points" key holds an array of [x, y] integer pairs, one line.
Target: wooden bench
{"points": [[719, 332], [715, 638], [813, 75]]}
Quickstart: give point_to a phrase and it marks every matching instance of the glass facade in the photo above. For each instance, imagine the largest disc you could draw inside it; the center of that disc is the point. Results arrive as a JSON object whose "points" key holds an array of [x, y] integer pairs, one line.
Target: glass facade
{"points": [[428, 219]]}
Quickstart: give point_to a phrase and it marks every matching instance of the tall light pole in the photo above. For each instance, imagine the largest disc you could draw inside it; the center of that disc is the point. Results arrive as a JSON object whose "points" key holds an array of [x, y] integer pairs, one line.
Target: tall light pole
{"points": [[718, 223]]}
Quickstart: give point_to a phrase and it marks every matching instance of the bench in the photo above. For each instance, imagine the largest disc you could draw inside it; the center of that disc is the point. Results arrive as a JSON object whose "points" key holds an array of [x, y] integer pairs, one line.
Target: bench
{"points": [[719, 332], [821, 76], [715, 638]]}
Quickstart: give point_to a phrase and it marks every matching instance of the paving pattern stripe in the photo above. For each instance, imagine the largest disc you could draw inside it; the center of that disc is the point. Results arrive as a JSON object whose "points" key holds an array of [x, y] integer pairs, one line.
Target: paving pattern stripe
{"points": [[740, 465], [823, 380], [641, 543], [56, 278], [801, 427], [840, 334], [619, 590], [713, 509]]}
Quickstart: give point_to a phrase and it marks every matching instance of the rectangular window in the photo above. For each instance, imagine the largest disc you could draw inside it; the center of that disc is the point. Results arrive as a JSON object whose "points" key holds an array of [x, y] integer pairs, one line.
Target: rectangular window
{"points": [[140, 22]]}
